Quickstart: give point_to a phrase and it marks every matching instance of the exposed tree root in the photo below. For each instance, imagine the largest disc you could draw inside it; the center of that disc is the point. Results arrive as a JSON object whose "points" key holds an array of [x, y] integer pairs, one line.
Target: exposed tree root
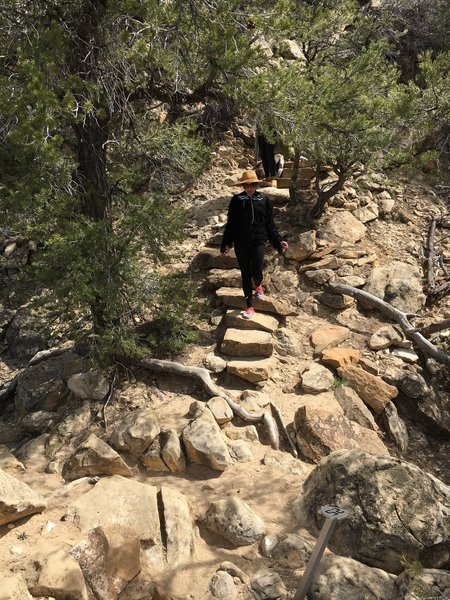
{"points": [[167, 366], [400, 317]]}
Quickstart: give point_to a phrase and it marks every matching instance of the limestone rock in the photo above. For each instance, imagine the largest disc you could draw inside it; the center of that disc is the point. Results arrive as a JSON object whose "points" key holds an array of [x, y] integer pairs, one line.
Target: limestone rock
{"points": [[268, 585], [152, 458], [109, 558], [292, 550], [283, 461], [136, 432], [234, 520], [56, 574], [43, 386], [13, 587], [259, 321], [172, 452], [337, 301], [235, 298], [17, 499], [434, 583], [354, 408], [204, 443], [220, 409], [328, 336], [320, 432], [88, 386], [179, 527], [339, 357], [370, 388], [214, 363], [395, 427], [302, 246], [394, 506], [253, 370], [317, 379], [119, 501], [8, 462], [384, 337], [94, 457], [237, 342], [222, 586], [341, 226], [341, 578], [399, 284]]}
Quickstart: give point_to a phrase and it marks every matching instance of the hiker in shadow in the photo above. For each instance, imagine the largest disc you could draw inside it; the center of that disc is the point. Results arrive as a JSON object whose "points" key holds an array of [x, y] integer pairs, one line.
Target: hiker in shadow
{"points": [[270, 155], [249, 225]]}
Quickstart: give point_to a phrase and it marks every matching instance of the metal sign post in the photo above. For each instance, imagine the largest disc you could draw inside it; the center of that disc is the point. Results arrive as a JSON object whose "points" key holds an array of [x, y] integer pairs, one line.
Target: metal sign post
{"points": [[332, 515]]}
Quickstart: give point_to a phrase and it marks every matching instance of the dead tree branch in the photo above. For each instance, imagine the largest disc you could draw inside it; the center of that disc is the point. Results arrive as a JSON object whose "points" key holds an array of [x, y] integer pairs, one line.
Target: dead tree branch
{"points": [[396, 315], [174, 368], [431, 255], [434, 328]]}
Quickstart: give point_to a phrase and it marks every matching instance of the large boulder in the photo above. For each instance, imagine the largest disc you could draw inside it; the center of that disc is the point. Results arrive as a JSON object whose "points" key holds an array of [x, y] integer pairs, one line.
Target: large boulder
{"points": [[44, 386], [342, 578], [136, 432], [17, 499], [397, 511], [234, 520], [399, 284]]}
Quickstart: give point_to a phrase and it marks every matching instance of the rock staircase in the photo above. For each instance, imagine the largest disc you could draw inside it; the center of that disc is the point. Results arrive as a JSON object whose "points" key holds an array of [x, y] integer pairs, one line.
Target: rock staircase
{"points": [[247, 345]]}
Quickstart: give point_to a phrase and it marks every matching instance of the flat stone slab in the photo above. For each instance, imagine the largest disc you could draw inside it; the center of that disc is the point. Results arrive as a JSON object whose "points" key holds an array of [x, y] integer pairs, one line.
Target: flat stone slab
{"points": [[252, 369], [234, 297], [250, 342], [260, 321], [223, 278]]}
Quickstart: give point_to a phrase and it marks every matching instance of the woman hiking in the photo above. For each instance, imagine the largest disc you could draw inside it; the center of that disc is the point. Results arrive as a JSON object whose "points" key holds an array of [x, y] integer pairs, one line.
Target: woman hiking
{"points": [[249, 225]]}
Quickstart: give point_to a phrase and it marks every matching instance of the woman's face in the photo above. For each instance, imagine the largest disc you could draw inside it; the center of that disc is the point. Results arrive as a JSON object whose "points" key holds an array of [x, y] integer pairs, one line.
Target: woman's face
{"points": [[249, 188]]}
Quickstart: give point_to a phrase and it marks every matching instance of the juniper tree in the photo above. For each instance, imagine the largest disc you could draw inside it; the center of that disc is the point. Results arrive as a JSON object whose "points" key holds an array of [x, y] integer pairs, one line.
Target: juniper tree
{"points": [[341, 104], [96, 141]]}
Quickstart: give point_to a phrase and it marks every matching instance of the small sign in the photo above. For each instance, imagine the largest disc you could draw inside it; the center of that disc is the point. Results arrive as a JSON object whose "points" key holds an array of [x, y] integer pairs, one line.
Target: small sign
{"points": [[334, 512]]}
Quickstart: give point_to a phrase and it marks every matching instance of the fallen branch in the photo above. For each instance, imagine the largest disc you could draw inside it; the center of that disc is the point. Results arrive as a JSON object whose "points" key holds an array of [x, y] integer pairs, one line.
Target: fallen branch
{"points": [[438, 292], [434, 328], [400, 317], [167, 366], [279, 416], [431, 255], [108, 399]]}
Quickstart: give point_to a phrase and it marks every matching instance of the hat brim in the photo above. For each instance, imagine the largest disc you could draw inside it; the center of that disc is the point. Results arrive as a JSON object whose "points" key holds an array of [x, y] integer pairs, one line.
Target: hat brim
{"points": [[238, 183]]}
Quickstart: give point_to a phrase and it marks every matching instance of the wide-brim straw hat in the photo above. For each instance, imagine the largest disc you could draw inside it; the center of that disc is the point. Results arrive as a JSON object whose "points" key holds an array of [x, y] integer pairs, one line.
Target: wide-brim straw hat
{"points": [[248, 177]]}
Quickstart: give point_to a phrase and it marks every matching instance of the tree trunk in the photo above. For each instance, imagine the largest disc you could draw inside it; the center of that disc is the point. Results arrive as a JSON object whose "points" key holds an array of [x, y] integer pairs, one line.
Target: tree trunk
{"points": [[325, 195], [91, 172]]}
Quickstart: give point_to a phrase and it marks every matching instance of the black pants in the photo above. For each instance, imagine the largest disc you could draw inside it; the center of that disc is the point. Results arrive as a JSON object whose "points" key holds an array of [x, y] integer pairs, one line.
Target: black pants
{"points": [[251, 260], [267, 153]]}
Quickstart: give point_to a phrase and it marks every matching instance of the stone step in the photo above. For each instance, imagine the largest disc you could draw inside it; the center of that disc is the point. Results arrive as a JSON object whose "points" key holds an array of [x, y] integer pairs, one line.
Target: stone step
{"points": [[223, 278], [215, 260], [260, 321], [250, 342], [253, 369], [234, 297]]}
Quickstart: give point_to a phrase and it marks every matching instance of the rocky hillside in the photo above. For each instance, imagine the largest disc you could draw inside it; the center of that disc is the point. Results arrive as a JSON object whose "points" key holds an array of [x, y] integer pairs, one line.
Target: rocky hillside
{"points": [[204, 477]]}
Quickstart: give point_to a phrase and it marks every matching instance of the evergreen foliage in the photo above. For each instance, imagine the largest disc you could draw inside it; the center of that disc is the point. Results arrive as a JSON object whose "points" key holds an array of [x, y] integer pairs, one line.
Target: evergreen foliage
{"points": [[96, 142]]}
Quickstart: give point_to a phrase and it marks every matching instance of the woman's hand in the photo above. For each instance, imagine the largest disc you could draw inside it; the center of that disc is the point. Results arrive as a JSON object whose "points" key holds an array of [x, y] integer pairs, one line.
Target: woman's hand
{"points": [[225, 250], [284, 245]]}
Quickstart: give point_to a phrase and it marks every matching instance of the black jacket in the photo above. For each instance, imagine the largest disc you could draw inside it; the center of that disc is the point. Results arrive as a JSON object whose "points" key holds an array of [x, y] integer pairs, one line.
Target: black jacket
{"points": [[250, 220]]}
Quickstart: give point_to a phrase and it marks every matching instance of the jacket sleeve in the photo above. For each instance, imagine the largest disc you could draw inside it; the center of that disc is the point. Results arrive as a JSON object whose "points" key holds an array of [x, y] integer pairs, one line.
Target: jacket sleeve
{"points": [[272, 231], [228, 234]]}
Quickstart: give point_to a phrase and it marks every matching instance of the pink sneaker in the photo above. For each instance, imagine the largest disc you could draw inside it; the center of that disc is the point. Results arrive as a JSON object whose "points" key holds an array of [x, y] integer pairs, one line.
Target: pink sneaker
{"points": [[259, 292], [248, 313]]}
